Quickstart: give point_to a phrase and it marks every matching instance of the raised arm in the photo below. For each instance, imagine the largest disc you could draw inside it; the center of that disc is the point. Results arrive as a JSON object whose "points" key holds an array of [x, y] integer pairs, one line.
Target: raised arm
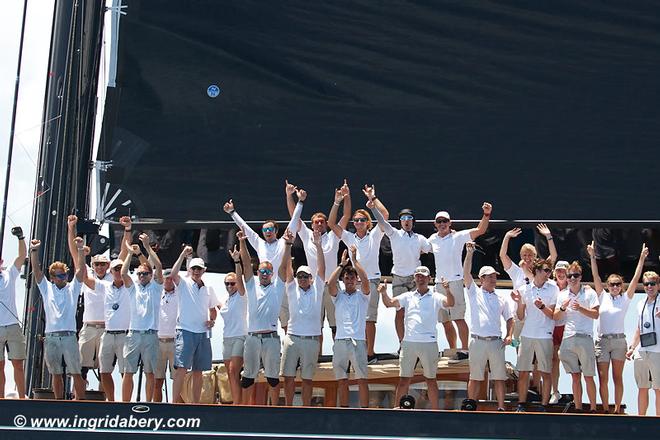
{"points": [[467, 264], [285, 271], [235, 255], [545, 231], [252, 236], [295, 222], [387, 301], [81, 269], [598, 283], [332, 218], [504, 248], [245, 256], [34, 260], [320, 257], [17, 231], [346, 210], [131, 249], [176, 268], [334, 277], [364, 278], [126, 222], [289, 189], [383, 224], [71, 222], [482, 227], [370, 194], [153, 258], [638, 271]]}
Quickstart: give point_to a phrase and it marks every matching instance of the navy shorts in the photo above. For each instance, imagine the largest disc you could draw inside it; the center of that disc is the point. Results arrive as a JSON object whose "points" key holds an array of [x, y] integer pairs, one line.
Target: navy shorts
{"points": [[192, 351]]}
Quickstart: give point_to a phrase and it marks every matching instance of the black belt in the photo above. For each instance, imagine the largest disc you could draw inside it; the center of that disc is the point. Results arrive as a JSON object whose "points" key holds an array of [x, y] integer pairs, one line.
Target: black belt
{"points": [[62, 333], [116, 332], [613, 336]]}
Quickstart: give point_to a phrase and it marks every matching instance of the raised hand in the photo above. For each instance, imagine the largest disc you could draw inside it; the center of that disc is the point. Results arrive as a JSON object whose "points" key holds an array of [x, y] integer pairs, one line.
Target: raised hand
{"points": [[235, 254], [289, 236], [187, 251], [353, 250], [241, 235], [289, 188], [370, 191], [513, 233], [591, 250], [344, 258], [469, 247], [370, 204], [516, 296], [382, 289], [339, 196], [302, 194], [71, 221], [79, 243], [344, 189], [544, 230], [487, 208], [144, 239], [229, 206], [645, 251], [35, 244], [86, 250], [316, 238], [126, 222]]}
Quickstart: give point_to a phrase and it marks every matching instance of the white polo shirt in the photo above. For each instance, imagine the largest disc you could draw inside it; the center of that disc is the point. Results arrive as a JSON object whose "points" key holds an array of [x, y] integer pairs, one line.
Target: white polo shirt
{"points": [[8, 296], [274, 251], [537, 324], [264, 304], [421, 315], [577, 322], [368, 249], [60, 305], [329, 244], [233, 311], [351, 314], [145, 305], [448, 251], [194, 304], [94, 298], [169, 308], [517, 275], [612, 313], [486, 308], [646, 313], [305, 308], [406, 249], [116, 306]]}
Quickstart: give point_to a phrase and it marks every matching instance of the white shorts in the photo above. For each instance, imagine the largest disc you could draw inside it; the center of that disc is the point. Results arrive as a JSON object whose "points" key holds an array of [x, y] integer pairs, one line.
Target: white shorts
{"points": [[143, 346], [577, 355], [11, 337], [301, 349], [426, 352], [112, 345], [233, 347], [489, 352], [165, 358], [353, 351], [259, 350], [531, 348], [62, 347], [89, 343], [457, 311]]}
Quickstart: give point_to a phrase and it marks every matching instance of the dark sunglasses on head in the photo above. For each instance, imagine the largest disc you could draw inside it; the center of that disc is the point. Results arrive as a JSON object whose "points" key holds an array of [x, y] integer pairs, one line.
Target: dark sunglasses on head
{"points": [[143, 274], [265, 271], [60, 276], [230, 283], [574, 275], [268, 229], [441, 220], [360, 220], [615, 284], [406, 217], [649, 283]]}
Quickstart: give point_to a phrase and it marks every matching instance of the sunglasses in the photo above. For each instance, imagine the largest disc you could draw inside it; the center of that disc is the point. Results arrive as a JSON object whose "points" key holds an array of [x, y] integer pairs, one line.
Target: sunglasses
{"points": [[143, 274], [197, 268], [116, 268], [60, 276], [265, 271], [546, 270], [268, 229], [406, 217], [230, 283], [615, 284], [649, 283], [101, 264], [360, 220], [303, 276], [574, 275], [441, 220]]}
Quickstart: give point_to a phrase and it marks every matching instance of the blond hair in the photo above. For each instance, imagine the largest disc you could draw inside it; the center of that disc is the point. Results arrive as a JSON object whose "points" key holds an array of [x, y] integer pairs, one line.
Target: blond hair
{"points": [[58, 265]]}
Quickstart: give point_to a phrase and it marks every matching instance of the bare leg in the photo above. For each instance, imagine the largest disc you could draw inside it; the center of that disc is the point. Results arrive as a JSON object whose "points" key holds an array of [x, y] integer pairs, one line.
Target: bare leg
{"points": [[307, 392], [643, 401], [499, 392], [2, 379], [432, 388], [342, 392], [158, 390], [450, 333], [196, 386], [371, 337], [127, 387], [274, 394], [603, 383], [149, 387], [577, 389], [108, 386], [234, 372], [289, 390], [78, 386], [555, 368], [363, 387], [657, 402], [463, 333], [617, 376], [523, 386], [58, 385], [591, 391], [19, 377], [398, 323], [401, 389], [177, 385], [473, 388], [546, 386], [249, 395]]}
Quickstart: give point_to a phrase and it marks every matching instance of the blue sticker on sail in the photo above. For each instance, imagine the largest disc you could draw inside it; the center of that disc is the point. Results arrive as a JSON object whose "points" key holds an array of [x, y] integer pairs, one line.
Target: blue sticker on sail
{"points": [[213, 91]]}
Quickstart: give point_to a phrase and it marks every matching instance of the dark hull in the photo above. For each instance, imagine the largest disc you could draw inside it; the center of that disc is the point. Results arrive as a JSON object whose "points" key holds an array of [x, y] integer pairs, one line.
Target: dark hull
{"points": [[317, 423]]}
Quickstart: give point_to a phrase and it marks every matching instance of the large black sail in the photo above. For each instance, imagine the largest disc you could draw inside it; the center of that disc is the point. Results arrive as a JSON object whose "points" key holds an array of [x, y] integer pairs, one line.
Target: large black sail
{"points": [[549, 110]]}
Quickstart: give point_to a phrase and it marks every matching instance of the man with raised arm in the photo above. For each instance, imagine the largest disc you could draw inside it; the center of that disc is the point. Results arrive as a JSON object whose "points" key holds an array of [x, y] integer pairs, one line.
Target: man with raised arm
{"points": [[11, 334], [262, 344], [302, 341], [535, 305], [89, 338], [420, 340], [142, 338], [487, 309], [407, 246], [196, 317], [329, 242], [448, 249], [60, 301], [367, 241], [269, 248], [169, 308], [350, 310]]}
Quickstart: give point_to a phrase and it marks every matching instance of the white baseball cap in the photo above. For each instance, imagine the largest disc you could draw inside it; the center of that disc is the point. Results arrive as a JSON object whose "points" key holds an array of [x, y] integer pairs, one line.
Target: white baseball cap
{"points": [[561, 264], [304, 269], [442, 214], [197, 262], [115, 263], [422, 270], [487, 270]]}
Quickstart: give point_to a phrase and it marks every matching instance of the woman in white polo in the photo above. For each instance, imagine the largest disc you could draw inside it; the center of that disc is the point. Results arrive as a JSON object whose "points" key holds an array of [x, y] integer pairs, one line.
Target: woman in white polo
{"points": [[611, 338], [420, 340]]}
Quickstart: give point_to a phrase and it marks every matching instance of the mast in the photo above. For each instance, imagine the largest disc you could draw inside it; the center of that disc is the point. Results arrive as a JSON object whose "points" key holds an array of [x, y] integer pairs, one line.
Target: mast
{"points": [[65, 151]]}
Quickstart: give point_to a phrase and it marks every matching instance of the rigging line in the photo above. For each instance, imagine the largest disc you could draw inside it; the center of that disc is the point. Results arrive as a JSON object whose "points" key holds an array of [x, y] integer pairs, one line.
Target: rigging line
{"points": [[39, 125], [31, 202], [27, 152], [11, 313]]}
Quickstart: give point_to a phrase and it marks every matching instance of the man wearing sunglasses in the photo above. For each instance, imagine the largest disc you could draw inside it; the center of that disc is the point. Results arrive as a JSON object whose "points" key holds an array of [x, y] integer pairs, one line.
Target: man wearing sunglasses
{"points": [[648, 329], [407, 246], [447, 250], [195, 319], [142, 338], [302, 341], [60, 301], [169, 307], [329, 242], [11, 334], [535, 305], [262, 344], [580, 307]]}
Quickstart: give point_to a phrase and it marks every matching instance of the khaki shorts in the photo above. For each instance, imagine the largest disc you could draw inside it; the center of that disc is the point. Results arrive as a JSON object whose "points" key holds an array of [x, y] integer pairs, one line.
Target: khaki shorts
{"points": [[653, 363], [165, 358], [458, 310], [353, 351], [58, 347], [297, 348], [112, 345], [143, 346], [89, 344], [11, 336], [426, 352], [490, 352], [607, 349], [259, 351], [531, 348], [642, 373], [402, 284], [233, 347], [374, 297], [328, 308], [577, 355]]}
